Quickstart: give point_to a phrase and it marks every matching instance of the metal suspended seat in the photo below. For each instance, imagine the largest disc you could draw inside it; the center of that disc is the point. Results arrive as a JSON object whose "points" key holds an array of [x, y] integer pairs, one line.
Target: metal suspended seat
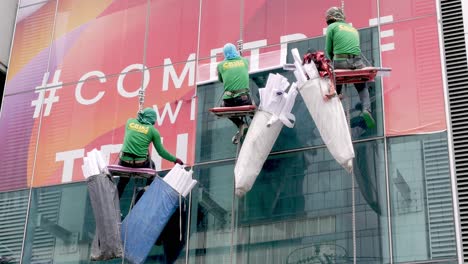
{"points": [[348, 76], [234, 111], [117, 170], [367, 74]]}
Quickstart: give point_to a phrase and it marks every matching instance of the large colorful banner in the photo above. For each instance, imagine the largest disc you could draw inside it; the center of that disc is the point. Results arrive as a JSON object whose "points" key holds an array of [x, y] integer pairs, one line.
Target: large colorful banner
{"points": [[77, 66]]}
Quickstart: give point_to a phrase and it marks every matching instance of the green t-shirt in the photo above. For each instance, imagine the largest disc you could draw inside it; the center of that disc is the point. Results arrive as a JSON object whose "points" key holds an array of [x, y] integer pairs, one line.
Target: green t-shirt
{"points": [[342, 38], [234, 73], [137, 139]]}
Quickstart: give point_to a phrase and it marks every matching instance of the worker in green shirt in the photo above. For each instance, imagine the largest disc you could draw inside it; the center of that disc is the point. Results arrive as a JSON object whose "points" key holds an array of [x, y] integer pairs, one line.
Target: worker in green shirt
{"points": [[343, 47], [139, 133], [234, 73]]}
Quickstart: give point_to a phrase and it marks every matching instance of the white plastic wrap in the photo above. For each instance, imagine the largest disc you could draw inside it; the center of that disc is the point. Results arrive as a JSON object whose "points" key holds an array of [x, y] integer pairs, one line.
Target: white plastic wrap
{"points": [[329, 116], [94, 164], [180, 179], [255, 149], [274, 111]]}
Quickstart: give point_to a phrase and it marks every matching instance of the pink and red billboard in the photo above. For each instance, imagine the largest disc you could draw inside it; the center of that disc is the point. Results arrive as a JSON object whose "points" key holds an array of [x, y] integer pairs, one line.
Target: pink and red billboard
{"points": [[77, 66]]}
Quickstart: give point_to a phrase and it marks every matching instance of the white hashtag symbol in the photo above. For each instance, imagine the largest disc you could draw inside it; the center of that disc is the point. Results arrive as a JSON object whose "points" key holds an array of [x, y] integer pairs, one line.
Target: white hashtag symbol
{"points": [[41, 90]]}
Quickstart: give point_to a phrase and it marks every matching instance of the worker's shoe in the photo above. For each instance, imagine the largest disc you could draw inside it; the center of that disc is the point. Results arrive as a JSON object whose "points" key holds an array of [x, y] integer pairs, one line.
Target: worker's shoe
{"points": [[240, 134], [235, 138], [370, 122]]}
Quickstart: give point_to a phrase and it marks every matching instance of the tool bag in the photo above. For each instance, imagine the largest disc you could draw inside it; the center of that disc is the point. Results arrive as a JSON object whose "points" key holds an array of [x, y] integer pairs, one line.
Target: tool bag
{"points": [[145, 222], [105, 203], [276, 103]]}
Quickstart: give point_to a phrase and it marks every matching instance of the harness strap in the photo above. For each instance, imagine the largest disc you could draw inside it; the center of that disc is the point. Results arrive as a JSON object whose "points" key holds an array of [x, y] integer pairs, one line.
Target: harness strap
{"points": [[236, 92]]}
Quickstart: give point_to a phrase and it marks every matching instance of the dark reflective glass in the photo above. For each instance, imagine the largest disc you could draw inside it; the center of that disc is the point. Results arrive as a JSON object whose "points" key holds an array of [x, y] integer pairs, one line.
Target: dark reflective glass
{"points": [[300, 209], [421, 198], [13, 210]]}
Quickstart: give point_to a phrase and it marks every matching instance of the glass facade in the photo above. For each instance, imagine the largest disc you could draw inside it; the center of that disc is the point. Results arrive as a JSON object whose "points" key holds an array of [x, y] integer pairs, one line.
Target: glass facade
{"points": [[75, 72]]}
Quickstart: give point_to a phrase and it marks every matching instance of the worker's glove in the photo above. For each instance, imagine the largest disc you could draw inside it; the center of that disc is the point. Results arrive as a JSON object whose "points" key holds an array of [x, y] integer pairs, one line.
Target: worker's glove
{"points": [[179, 161]]}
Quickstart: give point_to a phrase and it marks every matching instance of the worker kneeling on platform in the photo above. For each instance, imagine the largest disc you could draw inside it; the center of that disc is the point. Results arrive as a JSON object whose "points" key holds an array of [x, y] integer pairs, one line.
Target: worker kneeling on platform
{"points": [[234, 73], [139, 133], [343, 47]]}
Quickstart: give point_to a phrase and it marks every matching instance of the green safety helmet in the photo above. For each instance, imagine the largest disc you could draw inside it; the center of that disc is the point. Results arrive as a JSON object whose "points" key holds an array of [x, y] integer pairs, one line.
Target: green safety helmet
{"points": [[334, 14]]}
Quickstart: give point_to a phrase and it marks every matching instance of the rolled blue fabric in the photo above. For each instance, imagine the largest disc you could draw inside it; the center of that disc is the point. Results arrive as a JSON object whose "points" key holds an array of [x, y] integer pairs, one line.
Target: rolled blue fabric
{"points": [[145, 222]]}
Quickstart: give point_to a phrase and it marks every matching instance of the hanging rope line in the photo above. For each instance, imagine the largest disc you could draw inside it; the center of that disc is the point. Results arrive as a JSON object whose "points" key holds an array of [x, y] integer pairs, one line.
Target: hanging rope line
{"points": [[348, 105], [141, 99]]}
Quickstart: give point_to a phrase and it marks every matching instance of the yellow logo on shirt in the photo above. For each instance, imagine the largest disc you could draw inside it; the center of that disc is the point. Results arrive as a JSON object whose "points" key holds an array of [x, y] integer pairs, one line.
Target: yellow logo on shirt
{"points": [[138, 128], [347, 28], [233, 64]]}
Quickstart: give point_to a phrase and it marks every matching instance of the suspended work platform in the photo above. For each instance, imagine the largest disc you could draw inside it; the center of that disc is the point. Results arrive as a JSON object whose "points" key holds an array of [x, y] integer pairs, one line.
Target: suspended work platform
{"points": [[366, 74], [117, 170], [348, 76], [234, 111]]}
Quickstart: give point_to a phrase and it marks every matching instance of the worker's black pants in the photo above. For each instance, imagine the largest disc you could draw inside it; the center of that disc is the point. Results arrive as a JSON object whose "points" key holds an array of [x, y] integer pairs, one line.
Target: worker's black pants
{"points": [[237, 101], [148, 163], [363, 91]]}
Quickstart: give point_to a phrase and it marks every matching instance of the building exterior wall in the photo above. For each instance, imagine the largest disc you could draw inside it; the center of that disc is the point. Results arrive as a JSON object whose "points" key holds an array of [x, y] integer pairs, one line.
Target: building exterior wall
{"points": [[7, 23], [75, 71]]}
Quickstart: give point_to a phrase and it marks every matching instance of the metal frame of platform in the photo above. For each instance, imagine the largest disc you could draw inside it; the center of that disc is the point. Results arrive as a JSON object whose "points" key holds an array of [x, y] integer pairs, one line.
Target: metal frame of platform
{"points": [[117, 170], [367, 74], [348, 76], [234, 111]]}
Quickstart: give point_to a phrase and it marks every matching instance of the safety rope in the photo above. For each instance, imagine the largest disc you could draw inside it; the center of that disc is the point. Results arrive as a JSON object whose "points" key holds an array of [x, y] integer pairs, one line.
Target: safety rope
{"points": [[353, 196], [240, 42], [189, 222], [233, 214], [141, 99], [347, 106], [180, 217], [239, 145]]}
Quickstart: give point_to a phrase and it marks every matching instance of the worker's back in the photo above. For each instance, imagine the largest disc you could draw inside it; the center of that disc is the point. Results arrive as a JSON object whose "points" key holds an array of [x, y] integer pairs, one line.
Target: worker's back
{"points": [[234, 73], [137, 138], [344, 39]]}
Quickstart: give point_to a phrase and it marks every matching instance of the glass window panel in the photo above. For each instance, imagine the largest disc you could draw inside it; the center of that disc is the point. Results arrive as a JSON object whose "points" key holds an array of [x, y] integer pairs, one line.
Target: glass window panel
{"points": [[214, 142], [286, 20], [300, 208], [371, 203], [170, 246], [172, 31], [30, 52], [220, 24], [171, 93], [414, 95], [421, 198], [13, 210], [60, 225], [398, 10], [31, 2], [213, 134], [19, 126], [79, 121], [351, 102], [210, 221], [106, 36]]}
